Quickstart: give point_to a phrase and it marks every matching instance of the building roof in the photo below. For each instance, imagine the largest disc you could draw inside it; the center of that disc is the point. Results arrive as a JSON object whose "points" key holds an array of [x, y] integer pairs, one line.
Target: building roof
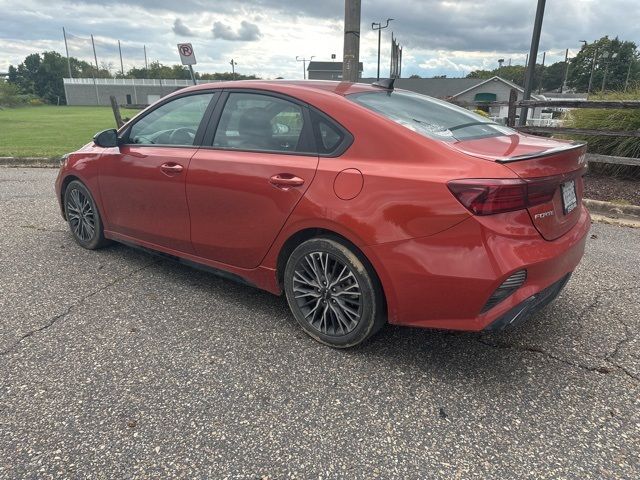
{"points": [[434, 87], [327, 66]]}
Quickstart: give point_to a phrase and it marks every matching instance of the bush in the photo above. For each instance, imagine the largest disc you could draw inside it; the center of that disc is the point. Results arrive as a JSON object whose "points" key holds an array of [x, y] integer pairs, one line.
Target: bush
{"points": [[601, 119], [9, 95]]}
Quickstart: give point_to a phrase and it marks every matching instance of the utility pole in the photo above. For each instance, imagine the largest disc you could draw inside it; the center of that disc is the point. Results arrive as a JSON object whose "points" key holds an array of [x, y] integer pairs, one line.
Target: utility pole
{"points": [[146, 65], [563, 85], [606, 57], [233, 68], [304, 64], [121, 64], [626, 82], [379, 27], [95, 57], [64, 34], [593, 67], [351, 52], [544, 56], [533, 54], [95, 83]]}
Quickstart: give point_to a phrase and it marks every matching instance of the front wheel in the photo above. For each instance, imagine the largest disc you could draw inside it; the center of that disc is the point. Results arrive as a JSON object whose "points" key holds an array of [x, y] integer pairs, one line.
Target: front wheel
{"points": [[334, 297], [83, 216]]}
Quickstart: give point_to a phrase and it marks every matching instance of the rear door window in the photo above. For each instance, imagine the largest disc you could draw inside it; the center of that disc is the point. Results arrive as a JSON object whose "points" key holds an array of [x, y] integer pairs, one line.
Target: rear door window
{"points": [[259, 122]]}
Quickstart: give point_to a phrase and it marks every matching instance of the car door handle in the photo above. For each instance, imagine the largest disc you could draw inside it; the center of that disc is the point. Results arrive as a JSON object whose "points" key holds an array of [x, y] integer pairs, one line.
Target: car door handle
{"points": [[286, 180], [171, 168]]}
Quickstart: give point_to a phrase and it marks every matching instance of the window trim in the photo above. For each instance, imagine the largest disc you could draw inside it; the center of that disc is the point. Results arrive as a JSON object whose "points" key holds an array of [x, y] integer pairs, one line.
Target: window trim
{"points": [[123, 135], [212, 127]]}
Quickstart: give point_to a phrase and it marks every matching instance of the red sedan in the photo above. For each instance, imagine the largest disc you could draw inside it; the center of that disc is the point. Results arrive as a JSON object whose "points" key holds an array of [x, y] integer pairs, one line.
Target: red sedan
{"points": [[363, 204]]}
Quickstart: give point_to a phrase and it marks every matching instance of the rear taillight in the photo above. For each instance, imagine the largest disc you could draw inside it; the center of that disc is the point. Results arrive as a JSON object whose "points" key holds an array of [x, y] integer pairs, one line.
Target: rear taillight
{"points": [[486, 196]]}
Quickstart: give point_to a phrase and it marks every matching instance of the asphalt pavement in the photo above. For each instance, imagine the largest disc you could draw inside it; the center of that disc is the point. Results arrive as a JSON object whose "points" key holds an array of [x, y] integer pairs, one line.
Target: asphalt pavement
{"points": [[118, 364]]}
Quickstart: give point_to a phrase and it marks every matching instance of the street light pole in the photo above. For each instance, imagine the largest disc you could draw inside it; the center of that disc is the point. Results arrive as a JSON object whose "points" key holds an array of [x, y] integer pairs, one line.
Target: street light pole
{"points": [[533, 55], [379, 27], [233, 68], [304, 64]]}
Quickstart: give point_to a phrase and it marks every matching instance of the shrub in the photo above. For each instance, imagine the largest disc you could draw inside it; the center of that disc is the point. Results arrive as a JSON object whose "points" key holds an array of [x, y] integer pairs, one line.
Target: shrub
{"points": [[9, 95]]}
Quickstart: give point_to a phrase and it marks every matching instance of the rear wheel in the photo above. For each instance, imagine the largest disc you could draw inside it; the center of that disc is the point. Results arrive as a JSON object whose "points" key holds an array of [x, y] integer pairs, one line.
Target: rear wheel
{"points": [[332, 294], [83, 216]]}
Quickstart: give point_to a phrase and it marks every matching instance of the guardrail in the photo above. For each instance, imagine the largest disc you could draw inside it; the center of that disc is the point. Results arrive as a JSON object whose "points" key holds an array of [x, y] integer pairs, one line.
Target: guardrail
{"points": [[514, 104]]}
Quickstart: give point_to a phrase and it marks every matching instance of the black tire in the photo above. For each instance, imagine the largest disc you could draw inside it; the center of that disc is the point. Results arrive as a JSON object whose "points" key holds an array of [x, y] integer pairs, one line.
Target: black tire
{"points": [[83, 217], [323, 304]]}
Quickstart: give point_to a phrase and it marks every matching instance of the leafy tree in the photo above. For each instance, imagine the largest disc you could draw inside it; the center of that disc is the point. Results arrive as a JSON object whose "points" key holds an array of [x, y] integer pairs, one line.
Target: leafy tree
{"points": [[42, 74], [484, 74], [415, 75], [226, 76], [553, 76], [605, 55]]}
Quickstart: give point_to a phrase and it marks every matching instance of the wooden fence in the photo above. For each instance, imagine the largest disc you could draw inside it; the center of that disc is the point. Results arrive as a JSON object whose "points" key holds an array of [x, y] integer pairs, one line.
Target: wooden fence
{"points": [[514, 104]]}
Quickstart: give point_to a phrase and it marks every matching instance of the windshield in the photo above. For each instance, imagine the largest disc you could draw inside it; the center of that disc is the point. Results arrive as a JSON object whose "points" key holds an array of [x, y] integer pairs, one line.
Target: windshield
{"points": [[430, 117]]}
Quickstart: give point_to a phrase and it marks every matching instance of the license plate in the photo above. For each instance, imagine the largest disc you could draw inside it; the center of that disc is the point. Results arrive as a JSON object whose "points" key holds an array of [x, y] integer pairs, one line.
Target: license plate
{"points": [[569, 198]]}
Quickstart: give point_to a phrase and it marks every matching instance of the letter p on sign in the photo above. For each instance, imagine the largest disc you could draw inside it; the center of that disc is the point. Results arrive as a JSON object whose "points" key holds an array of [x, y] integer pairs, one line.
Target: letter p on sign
{"points": [[187, 57]]}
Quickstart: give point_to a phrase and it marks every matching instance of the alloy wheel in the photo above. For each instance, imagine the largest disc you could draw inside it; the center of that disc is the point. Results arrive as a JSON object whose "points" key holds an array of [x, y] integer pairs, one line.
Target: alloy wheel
{"points": [[81, 215], [327, 293]]}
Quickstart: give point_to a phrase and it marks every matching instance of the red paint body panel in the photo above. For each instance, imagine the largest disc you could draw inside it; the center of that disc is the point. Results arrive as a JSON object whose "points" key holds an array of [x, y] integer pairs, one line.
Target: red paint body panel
{"points": [[437, 263], [236, 213], [140, 200]]}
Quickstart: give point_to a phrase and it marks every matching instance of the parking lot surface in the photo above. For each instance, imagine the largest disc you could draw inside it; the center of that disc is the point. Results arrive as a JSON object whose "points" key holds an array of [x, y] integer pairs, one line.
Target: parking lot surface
{"points": [[118, 364]]}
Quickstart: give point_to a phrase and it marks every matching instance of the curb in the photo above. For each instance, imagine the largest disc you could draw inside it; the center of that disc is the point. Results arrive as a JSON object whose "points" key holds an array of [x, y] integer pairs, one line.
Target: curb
{"points": [[613, 210], [33, 162]]}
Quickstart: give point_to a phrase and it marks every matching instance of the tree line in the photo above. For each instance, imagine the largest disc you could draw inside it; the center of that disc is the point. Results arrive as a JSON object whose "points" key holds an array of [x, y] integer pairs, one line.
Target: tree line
{"points": [[615, 63], [40, 75]]}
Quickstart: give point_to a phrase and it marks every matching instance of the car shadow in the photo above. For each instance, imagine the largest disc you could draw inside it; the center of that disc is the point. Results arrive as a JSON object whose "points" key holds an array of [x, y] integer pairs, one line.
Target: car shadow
{"points": [[441, 353]]}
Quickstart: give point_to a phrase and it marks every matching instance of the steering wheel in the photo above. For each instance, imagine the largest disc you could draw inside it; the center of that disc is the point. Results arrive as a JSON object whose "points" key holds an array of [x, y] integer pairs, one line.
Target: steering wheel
{"points": [[182, 136]]}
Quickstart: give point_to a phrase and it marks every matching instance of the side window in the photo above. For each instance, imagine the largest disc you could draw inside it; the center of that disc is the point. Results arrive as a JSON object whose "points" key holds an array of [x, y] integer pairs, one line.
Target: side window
{"points": [[174, 123], [252, 121], [329, 137]]}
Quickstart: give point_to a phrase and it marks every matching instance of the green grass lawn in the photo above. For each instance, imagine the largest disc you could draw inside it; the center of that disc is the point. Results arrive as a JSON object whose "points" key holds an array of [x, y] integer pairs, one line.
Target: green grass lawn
{"points": [[49, 131]]}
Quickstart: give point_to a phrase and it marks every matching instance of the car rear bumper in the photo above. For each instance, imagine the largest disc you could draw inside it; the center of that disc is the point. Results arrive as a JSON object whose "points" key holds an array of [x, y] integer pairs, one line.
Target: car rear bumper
{"points": [[445, 280], [521, 312]]}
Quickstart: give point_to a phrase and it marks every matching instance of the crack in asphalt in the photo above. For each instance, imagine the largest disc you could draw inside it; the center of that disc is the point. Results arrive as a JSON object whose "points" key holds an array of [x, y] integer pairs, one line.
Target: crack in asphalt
{"points": [[541, 351], [52, 321], [607, 358]]}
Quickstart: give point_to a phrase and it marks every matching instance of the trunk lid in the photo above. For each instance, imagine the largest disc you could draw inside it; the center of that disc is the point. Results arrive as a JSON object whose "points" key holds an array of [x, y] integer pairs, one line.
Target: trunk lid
{"points": [[552, 169]]}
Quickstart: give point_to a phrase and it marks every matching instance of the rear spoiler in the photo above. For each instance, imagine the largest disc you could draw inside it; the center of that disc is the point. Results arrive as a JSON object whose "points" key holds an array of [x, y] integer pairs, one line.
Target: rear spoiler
{"points": [[543, 153]]}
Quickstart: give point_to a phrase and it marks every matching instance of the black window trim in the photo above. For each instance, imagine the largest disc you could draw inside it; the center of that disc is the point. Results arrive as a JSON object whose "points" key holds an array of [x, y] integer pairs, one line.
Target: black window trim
{"points": [[307, 130], [123, 135]]}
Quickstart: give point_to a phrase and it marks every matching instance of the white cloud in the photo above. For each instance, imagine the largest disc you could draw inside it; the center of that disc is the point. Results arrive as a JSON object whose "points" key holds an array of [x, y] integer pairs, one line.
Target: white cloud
{"points": [[439, 36]]}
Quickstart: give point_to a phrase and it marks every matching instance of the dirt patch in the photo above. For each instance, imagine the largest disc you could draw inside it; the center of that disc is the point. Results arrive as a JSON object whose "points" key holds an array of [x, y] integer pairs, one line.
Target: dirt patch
{"points": [[612, 189]]}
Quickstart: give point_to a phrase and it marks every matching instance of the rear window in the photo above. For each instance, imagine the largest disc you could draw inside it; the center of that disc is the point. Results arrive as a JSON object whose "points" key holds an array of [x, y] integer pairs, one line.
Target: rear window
{"points": [[430, 117]]}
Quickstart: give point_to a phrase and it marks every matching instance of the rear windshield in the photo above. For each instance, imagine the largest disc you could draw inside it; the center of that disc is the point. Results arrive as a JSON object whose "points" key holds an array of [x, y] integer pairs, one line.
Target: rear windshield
{"points": [[430, 117]]}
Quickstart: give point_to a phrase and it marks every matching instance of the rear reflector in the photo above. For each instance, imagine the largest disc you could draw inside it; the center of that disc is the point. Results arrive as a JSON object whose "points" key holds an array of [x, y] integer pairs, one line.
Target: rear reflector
{"points": [[486, 196], [507, 287]]}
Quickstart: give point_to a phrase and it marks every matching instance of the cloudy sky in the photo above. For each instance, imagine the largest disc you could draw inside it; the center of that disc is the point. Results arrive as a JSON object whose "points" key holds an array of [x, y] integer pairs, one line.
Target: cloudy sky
{"points": [[449, 37]]}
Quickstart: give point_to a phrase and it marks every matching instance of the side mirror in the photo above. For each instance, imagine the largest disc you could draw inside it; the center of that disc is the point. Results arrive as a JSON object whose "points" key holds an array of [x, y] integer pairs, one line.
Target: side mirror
{"points": [[106, 138]]}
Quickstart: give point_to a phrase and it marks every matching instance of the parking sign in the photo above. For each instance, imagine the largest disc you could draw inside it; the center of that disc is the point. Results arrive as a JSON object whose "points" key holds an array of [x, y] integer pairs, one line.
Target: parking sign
{"points": [[187, 56]]}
